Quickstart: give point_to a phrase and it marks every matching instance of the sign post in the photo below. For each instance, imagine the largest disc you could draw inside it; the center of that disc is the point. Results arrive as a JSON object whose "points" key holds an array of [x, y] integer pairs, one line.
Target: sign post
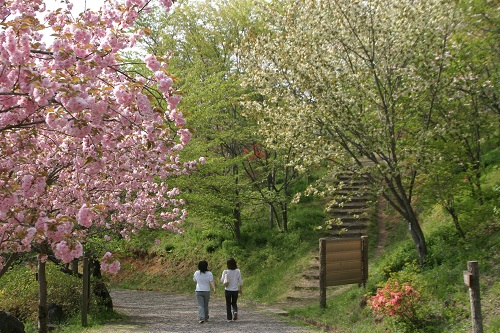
{"points": [[342, 261], [471, 279], [86, 290]]}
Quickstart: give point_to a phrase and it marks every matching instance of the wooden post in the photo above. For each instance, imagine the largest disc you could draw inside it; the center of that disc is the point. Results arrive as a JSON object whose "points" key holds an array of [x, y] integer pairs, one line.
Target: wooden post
{"points": [[86, 288], [43, 312], [364, 249], [471, 279], [322, 273], [74, 266]]}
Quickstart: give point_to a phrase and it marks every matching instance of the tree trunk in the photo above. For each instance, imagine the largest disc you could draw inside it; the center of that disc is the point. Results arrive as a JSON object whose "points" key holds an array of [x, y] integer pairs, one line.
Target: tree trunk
{"points": [[74, 266], [269, 187], [275, 214], [9, 262], [42, 299], [284, 216], [237, 205], [271, 216], [454, 216], [284, 207], [101, 292], [85, 290], [403, 205], [418, 239]]}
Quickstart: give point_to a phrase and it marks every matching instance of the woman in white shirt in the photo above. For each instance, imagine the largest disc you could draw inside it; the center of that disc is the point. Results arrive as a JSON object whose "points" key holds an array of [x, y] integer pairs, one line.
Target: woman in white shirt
{"points": [[232, 289], [204, 278]]}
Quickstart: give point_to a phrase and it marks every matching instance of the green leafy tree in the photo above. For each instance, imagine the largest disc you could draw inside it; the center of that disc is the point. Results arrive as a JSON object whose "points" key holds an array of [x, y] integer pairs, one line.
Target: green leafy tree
{"points": [[205, 39], [468, 119]]}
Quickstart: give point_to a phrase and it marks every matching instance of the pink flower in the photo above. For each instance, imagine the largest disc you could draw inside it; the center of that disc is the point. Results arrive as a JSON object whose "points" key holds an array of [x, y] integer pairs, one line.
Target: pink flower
{"points": [[395, 300], [109, 265], [83, 217], [173, 101], [152, 63], [166, 3], [177, 118], [82, 36], [143, 103], [76, 104], [185, 135], [85, 131], [122, 96]]}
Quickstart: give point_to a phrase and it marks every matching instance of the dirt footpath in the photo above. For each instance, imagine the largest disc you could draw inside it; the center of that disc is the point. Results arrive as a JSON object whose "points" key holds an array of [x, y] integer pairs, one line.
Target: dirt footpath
{"points": [[149, 312]]}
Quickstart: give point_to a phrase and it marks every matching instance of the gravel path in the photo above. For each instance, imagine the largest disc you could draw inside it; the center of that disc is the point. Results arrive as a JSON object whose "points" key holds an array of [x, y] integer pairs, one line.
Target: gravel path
{"points": [[149, 311]]}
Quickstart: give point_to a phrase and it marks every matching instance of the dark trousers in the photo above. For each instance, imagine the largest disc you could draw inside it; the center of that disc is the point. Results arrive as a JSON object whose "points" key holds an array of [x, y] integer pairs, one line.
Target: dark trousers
{"points": [[231, 302]]}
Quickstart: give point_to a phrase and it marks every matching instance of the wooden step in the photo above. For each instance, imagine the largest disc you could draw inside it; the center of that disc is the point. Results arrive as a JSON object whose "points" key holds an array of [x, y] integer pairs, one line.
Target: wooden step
{"points": [[350, 193], [346, 211], [355, 198], [356, 219], [349, 205], [311, 275], [347, 233], [307, 287], [302, 298], [347, 179], [349, 225]]}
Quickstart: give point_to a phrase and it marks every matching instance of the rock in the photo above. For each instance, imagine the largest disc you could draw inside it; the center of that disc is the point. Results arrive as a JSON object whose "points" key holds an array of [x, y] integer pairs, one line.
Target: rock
{"points": [[10, 324], [56, 313], [102, 296]]}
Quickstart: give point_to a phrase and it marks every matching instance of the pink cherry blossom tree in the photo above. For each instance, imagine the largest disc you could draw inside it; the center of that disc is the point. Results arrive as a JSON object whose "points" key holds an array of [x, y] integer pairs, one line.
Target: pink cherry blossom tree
{"points": [[86, 142]]}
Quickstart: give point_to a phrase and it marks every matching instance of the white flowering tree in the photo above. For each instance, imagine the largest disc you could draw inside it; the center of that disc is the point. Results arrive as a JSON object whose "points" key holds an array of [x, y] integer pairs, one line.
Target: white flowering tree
{"points": [[355, 85], [85, 145]]}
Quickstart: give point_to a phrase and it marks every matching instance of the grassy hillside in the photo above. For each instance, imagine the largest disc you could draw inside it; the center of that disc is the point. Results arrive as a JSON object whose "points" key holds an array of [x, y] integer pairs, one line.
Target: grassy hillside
{"points": [[272, 261]]}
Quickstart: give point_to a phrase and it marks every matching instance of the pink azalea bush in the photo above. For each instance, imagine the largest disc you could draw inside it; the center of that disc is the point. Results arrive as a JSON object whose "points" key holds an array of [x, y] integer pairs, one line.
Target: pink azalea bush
{"points": [[86, 145], [398, 301]]}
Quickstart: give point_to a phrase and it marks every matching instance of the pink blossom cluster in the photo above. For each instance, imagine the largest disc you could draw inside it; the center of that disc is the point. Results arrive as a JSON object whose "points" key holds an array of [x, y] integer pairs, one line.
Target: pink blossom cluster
{"points": [[395, 300], [67, 251], [81, 145], [109, 264]]}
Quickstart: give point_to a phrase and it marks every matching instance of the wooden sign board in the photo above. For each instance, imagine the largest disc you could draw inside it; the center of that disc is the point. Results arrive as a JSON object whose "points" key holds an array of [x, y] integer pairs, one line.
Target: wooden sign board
{"points": [[342, 261]]}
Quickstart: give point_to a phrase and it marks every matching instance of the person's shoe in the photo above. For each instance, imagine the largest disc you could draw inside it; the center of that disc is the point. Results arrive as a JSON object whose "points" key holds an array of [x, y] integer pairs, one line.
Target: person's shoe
{"points": [[202, 321], [235, 315], [229, 320]]}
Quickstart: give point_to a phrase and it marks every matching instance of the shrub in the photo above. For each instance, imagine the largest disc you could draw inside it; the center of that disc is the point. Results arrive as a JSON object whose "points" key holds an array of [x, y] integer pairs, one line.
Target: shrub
{"points": [[232, 248], [19, 292], [399, 301]]}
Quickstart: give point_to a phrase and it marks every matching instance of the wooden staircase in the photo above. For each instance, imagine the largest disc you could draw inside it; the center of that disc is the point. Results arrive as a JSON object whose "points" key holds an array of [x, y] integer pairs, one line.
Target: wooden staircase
{"points": [[352, 208], [349, 214], [306, 289]]}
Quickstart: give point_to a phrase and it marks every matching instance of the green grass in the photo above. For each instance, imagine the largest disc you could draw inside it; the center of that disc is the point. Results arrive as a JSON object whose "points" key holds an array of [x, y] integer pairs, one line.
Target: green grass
{"points": [[272, 261], [95, 320]]}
